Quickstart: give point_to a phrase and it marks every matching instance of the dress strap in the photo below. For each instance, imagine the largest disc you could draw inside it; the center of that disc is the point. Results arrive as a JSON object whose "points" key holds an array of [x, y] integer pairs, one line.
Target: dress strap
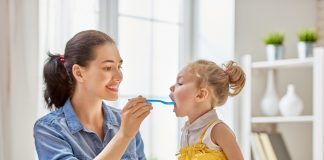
{"points": [[205, 129]]}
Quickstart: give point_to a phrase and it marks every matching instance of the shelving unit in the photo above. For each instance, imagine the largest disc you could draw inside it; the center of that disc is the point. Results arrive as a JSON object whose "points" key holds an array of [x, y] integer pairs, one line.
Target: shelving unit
{"points": [[314, 121]]}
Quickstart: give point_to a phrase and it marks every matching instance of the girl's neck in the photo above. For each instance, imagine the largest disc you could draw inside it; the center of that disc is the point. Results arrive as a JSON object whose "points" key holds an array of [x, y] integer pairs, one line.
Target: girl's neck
{"points": [[200, 110], [87, 108]]}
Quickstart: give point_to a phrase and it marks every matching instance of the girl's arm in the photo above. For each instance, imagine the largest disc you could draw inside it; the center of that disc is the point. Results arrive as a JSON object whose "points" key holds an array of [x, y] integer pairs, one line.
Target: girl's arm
{"points": [[223, 136]]}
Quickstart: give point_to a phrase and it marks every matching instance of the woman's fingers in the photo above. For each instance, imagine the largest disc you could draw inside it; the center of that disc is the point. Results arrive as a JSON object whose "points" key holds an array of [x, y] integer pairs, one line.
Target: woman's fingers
{"points": [[133, 114], [132, 102], [138, 106], [141, 110], [144, 115]]}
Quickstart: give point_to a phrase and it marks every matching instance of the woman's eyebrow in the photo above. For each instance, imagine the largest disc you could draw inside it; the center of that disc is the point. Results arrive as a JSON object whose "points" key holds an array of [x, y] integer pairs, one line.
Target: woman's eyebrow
{"points": [[111, 61]]}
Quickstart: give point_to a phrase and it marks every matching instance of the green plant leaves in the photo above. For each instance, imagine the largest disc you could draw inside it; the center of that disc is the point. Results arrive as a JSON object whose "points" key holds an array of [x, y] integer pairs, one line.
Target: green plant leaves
{"points": [[308, 35], [274, 38]]}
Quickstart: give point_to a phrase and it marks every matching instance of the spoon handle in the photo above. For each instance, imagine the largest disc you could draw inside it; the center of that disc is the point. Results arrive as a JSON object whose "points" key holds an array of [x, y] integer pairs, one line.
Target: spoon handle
{"points": [[156, 100]]}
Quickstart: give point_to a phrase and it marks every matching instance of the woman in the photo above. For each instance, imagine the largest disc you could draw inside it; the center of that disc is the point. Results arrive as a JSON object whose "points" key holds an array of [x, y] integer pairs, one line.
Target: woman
{"points": [[82, 126]]}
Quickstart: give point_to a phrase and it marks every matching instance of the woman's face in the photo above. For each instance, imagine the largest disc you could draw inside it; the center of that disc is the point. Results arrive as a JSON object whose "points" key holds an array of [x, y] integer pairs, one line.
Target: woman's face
{"points": [[183, 93], [103, 75]]}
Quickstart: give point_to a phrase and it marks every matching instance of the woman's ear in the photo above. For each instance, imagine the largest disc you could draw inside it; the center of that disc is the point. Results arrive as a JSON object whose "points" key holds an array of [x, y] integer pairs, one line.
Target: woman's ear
{"points": [[202, 94], [77, 73]]}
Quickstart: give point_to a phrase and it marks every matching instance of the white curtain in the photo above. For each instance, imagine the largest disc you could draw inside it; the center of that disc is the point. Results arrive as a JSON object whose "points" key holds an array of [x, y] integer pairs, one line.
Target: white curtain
{"points": [[19, 82]]}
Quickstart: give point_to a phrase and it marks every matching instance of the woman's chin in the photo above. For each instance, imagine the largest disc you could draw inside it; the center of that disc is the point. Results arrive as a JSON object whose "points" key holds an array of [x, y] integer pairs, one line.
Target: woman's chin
{"points": [[111, 97]]}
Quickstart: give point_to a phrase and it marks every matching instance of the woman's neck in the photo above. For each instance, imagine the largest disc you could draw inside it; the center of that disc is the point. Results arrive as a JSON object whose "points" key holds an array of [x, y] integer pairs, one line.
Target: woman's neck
{"points": [[88, 109]]}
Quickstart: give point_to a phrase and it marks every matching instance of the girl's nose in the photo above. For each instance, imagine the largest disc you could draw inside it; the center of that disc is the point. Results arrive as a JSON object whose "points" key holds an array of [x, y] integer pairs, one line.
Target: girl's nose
{"points": [[172, 88]]}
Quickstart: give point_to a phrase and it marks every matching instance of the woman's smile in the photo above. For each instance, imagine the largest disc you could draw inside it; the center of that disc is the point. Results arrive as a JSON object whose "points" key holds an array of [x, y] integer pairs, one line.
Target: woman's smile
{"points": [[113, 88]]}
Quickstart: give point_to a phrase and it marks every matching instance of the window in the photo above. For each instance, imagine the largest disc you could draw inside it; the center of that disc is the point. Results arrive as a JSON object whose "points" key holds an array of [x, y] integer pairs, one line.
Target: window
{"points": [[149, 42]]}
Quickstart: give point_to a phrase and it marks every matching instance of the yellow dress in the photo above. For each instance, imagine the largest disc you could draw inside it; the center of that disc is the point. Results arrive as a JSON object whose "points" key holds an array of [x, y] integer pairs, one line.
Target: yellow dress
{"points": [[200, 151]]}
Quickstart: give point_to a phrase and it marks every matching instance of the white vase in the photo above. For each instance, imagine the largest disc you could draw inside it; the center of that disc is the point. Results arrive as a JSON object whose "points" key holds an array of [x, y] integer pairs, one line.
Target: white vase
{"points": [[290, 104], [305, 49], [274, 52], [270, 100]]}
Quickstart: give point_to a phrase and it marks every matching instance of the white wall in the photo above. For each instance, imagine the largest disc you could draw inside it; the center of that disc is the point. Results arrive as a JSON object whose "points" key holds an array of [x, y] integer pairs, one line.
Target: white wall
{"points": [[254, 19], [320, 21]]}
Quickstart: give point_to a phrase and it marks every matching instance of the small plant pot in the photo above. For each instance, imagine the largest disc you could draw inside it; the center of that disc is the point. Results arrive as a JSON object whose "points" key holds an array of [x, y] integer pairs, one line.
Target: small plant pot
{"points": [[274, 52], [305, 49]]}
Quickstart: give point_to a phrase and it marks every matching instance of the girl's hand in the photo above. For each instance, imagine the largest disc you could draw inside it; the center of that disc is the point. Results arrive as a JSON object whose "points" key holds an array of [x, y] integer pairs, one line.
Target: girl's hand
{"points": [[133, 114]]}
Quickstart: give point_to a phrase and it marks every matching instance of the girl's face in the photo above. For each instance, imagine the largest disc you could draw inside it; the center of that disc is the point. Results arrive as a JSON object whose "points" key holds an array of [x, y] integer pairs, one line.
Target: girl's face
{"points": [[183, 93], [103, 75]]}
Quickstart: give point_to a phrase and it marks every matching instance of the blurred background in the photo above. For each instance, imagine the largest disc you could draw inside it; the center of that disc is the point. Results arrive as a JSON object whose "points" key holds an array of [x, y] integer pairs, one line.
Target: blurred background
{"points": [[156, 38]]}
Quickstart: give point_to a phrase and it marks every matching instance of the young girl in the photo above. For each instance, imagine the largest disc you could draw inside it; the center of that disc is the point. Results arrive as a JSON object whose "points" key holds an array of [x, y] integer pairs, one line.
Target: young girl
{"points": [[201, 86], [82, 126]]}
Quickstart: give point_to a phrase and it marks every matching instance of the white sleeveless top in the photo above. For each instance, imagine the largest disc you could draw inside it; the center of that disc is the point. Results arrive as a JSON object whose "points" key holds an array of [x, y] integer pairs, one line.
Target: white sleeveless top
{"points": [[191, 132]]}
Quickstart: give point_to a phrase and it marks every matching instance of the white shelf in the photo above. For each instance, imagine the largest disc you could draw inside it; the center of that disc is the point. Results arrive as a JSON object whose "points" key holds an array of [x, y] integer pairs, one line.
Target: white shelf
{"points": [[315, 120], [281, 119], [285, 63]]}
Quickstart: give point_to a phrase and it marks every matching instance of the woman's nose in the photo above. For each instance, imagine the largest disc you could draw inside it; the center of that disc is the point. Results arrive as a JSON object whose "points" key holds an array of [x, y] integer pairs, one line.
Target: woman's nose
{"points": [[118, 76]]}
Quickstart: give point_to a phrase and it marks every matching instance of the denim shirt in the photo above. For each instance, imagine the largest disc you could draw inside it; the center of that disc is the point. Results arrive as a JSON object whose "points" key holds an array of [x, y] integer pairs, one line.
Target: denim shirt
{"points": [[60, 135]]}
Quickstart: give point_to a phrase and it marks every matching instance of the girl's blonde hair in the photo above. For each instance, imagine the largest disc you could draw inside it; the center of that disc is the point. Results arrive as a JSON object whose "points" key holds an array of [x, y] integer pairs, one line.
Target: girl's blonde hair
{"points": [[222, 82]]}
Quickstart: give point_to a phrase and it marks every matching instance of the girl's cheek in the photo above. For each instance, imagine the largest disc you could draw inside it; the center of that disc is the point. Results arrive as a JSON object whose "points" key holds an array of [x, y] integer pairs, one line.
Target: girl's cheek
{"points": [[181, 96]]}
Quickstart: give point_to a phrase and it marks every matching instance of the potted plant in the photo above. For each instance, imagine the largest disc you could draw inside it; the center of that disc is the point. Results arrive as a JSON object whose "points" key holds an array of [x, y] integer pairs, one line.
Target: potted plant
{"points": [[274, 45], [307, 38]]}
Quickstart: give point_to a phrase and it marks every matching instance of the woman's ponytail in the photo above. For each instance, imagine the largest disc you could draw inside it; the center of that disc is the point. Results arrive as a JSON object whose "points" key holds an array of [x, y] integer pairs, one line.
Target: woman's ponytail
{"points": [[57, 81]]}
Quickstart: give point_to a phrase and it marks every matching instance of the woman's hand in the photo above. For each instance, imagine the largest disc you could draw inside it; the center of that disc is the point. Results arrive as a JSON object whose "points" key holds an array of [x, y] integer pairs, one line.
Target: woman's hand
{"points": [[133, 114]]}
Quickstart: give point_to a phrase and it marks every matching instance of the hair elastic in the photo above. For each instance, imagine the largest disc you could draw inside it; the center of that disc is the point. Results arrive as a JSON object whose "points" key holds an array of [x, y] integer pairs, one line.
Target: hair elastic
{"points": [[226, 71], [62, 58]]}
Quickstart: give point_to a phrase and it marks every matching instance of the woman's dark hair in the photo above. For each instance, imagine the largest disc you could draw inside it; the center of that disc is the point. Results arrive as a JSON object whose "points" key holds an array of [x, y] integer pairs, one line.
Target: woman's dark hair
{"points": [[58, 77]]}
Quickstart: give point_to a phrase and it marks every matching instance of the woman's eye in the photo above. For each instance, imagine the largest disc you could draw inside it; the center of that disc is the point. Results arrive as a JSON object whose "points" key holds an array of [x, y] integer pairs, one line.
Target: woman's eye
{"points": [[107, 68]]}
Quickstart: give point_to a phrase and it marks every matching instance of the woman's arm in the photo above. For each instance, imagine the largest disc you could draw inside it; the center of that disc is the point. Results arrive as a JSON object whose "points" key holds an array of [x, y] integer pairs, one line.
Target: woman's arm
{"points": [[223, 136], [135, 111], [51, 144]]}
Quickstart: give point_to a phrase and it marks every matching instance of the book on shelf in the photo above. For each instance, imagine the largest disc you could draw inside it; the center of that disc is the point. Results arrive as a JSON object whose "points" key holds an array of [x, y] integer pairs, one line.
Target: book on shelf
{"points": [[257, 149], [279, 146], [268, 146]]}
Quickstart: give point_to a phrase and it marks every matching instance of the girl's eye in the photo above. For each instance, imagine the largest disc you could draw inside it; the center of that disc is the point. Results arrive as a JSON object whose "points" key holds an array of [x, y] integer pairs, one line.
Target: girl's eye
{"points": [[179, 84]]}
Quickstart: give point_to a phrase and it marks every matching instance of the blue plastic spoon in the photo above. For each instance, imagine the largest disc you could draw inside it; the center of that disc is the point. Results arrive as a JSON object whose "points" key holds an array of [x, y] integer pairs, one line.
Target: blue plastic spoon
{"points": [[156, 100]]}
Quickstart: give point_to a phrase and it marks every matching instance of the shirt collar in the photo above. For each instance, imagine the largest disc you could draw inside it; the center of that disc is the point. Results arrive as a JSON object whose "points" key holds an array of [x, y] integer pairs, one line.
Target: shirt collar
{"points": [[202, 121], [72, 120], [110, 117], [74, 123]]}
